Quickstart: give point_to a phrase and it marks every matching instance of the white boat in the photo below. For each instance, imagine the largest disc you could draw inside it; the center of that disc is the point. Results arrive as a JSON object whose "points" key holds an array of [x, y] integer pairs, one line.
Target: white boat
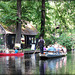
{"points": [[51, 55]]}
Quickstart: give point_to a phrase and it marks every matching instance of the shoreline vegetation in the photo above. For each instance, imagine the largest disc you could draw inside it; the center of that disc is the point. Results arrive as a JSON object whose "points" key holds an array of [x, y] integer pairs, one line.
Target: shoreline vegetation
{"points": [[27, 49]]}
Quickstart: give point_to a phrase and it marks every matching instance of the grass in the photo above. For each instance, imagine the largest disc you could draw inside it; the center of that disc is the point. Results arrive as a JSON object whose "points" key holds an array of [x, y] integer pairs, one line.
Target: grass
{"points": [[28, 49]]}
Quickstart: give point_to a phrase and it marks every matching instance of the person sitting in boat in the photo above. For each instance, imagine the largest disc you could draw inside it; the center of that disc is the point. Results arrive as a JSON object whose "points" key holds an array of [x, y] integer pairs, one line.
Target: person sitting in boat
{"points": [[1, 51], [48, 46], [56, 46], [64, 49], [51, 48], [44, 48], [16, 50], [7, 51], [60, 49]]}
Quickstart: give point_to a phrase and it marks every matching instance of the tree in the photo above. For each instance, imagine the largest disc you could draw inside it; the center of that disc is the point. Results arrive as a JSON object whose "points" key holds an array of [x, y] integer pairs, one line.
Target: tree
{"points": [[18, 25], [42, 30], [54, 14]]}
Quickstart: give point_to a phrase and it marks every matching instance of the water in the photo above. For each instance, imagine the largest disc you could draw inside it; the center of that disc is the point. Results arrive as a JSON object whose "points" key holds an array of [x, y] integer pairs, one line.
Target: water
{"points": [[31, 64]]}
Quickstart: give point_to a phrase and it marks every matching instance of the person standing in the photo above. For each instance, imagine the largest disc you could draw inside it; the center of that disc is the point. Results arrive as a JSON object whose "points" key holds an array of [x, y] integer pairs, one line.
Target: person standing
{"points": [[41, 44]]}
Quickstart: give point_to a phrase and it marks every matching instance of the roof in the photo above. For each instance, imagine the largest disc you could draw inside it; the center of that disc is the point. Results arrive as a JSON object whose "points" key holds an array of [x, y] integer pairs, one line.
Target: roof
{"points": [[26, 29]]}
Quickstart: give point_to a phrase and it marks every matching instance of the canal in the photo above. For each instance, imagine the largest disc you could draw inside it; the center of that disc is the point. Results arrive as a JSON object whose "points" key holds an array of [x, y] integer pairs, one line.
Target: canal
{"points": [[31, 64]]}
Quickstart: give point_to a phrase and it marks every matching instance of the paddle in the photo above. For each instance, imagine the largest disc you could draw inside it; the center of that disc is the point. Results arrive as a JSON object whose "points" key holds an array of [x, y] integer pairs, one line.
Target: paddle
{"points": [[34, 51]]}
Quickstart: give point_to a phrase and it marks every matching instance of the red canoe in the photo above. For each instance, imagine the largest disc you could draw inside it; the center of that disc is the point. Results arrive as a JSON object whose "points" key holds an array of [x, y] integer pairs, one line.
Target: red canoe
{"points": [[11, 54]]}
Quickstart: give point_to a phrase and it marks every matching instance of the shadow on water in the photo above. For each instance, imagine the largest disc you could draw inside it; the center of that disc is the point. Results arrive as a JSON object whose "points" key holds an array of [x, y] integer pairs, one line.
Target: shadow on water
{"points": [[31, 64]]}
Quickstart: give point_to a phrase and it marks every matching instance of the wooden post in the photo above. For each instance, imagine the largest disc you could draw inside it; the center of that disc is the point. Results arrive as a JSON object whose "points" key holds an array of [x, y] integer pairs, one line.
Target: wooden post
{"points": [[5, 41]]}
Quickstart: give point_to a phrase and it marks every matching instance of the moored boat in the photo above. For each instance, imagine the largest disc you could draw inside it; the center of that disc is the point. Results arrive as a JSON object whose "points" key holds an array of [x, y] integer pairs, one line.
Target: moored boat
{"points": [[11, 54], [51, 55]]}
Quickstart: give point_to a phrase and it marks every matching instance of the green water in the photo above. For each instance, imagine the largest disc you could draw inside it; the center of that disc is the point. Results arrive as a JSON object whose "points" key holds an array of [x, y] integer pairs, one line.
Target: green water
{"points": [[30, 64], [63, 65]]}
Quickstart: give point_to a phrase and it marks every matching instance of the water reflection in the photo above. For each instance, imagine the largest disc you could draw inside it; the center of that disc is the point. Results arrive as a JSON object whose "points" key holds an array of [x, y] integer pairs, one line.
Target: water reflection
{"points": [[31, 64], [43, 66], [57, 63], [53, 64], [10, 65]]}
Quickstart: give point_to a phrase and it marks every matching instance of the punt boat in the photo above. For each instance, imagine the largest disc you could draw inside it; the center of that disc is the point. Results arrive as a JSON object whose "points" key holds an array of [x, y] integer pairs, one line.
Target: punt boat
{"points": [[51, 55]]}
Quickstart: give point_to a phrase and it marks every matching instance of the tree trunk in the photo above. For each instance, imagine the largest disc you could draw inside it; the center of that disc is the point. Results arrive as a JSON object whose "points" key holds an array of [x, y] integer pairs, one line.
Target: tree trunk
{"points": [[43, 19], [18, 26]]}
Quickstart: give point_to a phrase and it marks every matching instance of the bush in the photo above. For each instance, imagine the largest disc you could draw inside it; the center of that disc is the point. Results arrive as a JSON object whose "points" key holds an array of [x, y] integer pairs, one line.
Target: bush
{"points": [[65, 40], [50, 40]]}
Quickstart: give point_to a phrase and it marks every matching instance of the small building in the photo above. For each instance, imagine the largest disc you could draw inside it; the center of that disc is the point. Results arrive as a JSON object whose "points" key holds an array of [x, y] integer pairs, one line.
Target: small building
{"points": [[8, 34]]}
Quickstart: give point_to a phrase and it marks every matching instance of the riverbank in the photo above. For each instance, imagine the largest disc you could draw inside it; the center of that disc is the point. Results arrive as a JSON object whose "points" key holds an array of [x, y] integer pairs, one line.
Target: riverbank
{"points": [[26, 51], [31, 51]]}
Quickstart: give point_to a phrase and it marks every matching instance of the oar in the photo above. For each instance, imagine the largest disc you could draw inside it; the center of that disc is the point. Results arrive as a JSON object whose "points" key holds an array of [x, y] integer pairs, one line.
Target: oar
{"points": [[34, 51], [33, 55]]}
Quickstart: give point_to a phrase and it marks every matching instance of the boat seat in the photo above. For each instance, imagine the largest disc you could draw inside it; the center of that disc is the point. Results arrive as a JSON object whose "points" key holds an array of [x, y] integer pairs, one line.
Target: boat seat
{"points": [[51, 51]]}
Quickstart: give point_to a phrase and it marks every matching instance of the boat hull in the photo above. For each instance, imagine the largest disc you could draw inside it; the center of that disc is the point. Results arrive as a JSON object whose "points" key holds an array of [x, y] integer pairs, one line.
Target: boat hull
{"points": [[11, 54], [49, 55]]}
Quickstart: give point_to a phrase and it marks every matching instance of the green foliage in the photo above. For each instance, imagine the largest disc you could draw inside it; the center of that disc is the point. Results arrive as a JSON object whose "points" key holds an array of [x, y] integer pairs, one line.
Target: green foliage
{"points": [[57, 13], [65, 40], [8, 15], [60, 13], [50, 40]]}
